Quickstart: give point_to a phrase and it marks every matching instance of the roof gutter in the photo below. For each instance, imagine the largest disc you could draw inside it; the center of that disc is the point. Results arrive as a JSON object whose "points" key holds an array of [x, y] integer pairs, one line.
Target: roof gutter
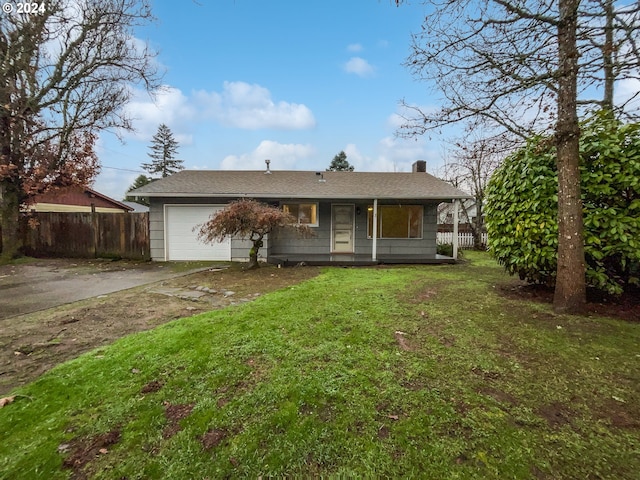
{"points": [[442, 198]]}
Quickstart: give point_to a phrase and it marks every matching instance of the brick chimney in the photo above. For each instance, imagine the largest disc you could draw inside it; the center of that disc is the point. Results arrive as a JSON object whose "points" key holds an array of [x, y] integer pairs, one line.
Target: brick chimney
{"points": [[419, 166]]}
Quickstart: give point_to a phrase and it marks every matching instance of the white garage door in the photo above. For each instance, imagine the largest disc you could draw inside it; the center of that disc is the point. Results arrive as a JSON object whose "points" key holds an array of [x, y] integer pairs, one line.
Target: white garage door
{"points": [[182, 241]]}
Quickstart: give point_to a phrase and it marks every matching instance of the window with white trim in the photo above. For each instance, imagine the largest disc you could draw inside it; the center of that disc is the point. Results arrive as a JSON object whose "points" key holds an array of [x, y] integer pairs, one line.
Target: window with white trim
{"points": [[304, 213]]}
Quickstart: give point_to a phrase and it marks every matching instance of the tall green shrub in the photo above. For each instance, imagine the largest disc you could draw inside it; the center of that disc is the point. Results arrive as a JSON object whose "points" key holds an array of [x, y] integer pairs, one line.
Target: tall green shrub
{"points": [[522, 208]]}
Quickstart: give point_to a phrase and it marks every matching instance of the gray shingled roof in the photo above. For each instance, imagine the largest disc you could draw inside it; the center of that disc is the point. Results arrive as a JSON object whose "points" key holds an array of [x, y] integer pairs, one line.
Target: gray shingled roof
{"points": [[300, 184]]}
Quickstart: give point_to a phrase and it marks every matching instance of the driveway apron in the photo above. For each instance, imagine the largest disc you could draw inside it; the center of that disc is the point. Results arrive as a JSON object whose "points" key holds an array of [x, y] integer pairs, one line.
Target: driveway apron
{"points": [[37, 286]]}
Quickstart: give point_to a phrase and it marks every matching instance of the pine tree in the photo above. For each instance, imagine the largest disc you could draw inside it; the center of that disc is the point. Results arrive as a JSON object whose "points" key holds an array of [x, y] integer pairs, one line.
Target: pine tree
{"points": [[340, 164], [163, 153]]}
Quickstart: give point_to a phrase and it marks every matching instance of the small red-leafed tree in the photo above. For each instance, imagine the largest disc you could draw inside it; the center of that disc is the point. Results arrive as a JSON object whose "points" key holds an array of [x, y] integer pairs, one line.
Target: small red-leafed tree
{"points": [[248, 219]]}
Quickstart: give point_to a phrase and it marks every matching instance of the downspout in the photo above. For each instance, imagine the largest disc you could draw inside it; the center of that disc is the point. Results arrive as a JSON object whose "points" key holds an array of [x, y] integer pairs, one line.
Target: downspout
{"points": [[374, 245], [454, 240]]}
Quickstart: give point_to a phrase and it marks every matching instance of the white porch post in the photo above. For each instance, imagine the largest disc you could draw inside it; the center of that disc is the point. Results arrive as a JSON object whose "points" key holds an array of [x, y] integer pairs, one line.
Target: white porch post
{"points": [[454, 241], [374, 245]]}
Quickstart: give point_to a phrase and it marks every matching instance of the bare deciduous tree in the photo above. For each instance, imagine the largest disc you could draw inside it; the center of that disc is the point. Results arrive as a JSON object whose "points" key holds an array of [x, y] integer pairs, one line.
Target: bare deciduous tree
{"points": [[469, 166], [65, 73], [524, 66], [497, 61], [607, 39]]}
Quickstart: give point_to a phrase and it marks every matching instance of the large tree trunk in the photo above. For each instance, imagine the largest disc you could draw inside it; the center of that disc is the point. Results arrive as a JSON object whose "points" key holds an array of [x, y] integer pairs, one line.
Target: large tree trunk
{"points": [[10, 221], [570, 291]]}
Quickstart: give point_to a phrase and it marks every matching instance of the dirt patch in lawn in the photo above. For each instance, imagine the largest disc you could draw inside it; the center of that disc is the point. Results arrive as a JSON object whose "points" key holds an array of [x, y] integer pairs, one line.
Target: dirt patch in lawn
{"points": [[403, 342], [556, 414], [213, 438], [625, 307], [33, 343], [173, 414], [84, 450], [619, 413], [152, 387]]}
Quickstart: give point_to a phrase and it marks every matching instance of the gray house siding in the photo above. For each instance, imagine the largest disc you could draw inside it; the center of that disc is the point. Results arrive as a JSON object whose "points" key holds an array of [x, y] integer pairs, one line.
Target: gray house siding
{"points": [[287, 242], [156, 228], [239, 248]]}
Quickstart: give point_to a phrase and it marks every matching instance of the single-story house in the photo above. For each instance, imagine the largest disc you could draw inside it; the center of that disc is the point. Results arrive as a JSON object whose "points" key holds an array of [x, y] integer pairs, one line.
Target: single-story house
{"points": [[356, 217], [76, 199]]}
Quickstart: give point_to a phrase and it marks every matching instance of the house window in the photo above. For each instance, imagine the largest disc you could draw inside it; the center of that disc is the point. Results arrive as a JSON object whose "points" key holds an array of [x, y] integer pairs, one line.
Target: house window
{"points": [[397, 221], [305, 213]]}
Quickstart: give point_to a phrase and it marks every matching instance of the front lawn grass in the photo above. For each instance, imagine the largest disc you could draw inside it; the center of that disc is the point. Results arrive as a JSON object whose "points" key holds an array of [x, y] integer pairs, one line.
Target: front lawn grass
{"points": [[406, 372]]}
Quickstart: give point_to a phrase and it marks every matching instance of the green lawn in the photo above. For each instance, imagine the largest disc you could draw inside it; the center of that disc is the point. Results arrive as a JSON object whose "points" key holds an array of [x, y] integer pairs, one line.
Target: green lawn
{"points": [[412, 372]]}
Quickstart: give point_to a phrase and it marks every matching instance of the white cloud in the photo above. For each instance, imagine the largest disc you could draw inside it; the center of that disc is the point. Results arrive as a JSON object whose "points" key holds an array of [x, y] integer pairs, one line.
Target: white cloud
{"points": [[168, 105], [249, 106], [364, 163], [114, 183], [240, 105], [407, 151], [399, 118], [282, 156], [359, 66], [625, 91], [395, 120], [354, 47], [195, 166], [394, 155]]}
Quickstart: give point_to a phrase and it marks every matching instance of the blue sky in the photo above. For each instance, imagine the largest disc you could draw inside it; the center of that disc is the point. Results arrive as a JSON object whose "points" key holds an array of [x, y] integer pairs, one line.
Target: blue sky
{"points": [[289, 80]]}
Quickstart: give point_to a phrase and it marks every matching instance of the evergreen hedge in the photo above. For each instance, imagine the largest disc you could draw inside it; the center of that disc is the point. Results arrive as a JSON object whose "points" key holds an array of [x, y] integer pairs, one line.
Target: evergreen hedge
{"points": [[521, 206]]}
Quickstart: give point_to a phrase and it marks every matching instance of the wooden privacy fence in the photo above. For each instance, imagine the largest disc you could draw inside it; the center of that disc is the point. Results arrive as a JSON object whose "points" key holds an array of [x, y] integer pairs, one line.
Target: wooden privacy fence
{"points": [[465, 240], [87, 235]]}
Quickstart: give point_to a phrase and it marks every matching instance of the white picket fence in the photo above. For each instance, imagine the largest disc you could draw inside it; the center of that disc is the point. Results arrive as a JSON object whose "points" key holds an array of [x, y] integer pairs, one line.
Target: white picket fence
{"points": [[465, 240]]}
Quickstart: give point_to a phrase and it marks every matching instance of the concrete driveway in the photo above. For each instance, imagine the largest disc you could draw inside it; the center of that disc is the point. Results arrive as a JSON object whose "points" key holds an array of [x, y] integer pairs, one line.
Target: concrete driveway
{"points": [[26, 288]]}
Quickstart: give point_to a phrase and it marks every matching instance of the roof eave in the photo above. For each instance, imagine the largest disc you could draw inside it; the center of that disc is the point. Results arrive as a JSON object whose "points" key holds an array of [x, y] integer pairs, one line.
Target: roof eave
{"points": [[113, 201], [285, 195]]}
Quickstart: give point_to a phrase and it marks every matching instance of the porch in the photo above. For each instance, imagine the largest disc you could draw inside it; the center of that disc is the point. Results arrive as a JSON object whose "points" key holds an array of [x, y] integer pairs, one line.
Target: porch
{"points": [[349, 260]]}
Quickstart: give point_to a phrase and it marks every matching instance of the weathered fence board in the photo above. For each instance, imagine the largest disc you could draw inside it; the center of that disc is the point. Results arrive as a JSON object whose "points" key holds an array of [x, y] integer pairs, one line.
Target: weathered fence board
{"points": [[88, 235]]}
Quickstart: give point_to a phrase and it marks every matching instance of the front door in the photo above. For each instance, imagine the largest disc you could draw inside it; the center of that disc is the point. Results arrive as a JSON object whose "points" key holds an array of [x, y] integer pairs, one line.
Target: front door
{"points": [[342, 228]]}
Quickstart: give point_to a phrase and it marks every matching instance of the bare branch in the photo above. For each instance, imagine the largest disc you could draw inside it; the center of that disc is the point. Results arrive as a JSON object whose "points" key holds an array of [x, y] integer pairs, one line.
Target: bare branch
{"points": [[498, 59], [64, 74]]}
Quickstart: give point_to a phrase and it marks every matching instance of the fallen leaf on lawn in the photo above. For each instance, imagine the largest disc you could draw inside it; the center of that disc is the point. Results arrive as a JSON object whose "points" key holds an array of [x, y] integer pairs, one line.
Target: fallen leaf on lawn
{"points": [[393, 417], [63, 448], [6, 400]]}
